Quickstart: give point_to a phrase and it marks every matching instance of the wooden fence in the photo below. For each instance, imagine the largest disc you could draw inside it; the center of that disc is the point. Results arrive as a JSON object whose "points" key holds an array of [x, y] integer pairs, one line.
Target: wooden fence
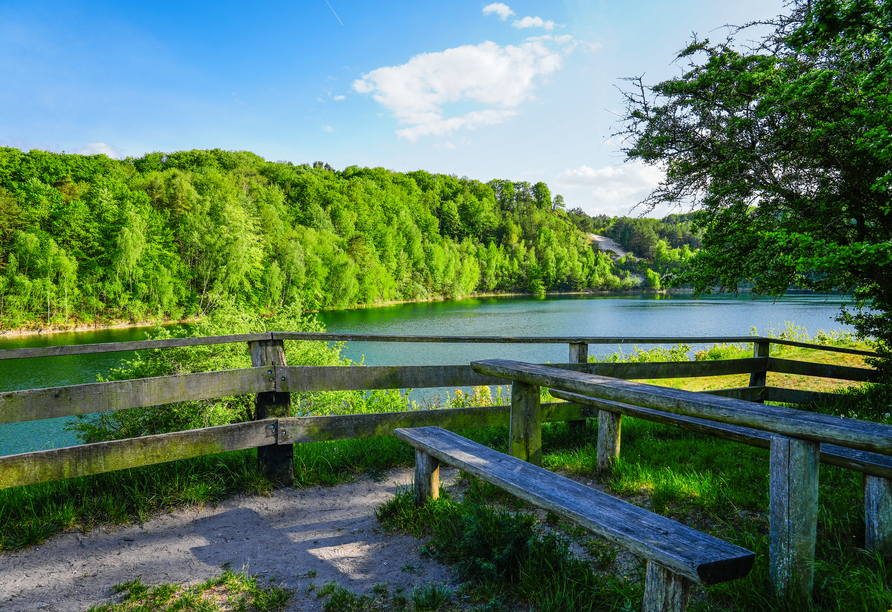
{"points": [[272, 381]]}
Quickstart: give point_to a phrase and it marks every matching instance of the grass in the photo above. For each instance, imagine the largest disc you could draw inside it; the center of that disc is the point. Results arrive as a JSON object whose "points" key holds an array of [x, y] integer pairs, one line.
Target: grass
{"points": [[229, 592], [504, 556]]}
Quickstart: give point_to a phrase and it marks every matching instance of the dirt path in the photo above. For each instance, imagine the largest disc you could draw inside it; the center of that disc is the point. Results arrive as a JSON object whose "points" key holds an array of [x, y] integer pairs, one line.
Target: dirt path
{"points": [[331, 530]]}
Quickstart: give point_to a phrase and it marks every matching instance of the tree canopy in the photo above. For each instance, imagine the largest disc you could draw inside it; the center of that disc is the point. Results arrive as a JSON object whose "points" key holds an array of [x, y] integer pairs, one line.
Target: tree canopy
{"points": [[785, 149]]}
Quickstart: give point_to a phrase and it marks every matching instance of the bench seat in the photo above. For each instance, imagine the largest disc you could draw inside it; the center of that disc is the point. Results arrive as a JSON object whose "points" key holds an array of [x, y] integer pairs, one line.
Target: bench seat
{"points": [[684, 551]]}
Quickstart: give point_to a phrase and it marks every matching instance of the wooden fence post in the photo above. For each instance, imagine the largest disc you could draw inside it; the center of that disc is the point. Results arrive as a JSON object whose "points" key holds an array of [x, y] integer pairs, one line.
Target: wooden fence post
{"points": [[276, 461], [525, 430], [609, 435], [793, 516], [578, 354], [878, 514], [760, 378]]}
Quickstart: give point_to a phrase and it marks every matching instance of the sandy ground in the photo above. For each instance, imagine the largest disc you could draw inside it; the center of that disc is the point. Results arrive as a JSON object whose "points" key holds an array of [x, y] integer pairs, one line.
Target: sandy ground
{"points": [[331, 530]]}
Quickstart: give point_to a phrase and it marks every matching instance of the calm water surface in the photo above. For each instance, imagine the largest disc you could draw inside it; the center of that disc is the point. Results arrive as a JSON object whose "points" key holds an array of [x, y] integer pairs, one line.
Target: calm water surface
{"points": [[629, 316]]}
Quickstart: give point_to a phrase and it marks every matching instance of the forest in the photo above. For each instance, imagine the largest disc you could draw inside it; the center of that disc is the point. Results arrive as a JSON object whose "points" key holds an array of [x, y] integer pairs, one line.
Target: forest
{"points": [[88, 239]]}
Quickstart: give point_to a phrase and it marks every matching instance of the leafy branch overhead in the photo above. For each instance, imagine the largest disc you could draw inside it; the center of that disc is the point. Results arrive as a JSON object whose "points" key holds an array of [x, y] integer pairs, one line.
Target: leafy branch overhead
{"points": [[784, 149]]}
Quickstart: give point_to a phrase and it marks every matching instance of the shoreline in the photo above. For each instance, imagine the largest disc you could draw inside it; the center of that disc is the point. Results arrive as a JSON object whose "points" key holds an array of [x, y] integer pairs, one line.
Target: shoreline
{"points": [[119, 324]]}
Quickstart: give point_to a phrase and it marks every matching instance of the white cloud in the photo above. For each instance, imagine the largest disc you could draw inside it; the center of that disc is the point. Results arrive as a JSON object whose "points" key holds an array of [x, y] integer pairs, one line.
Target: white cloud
{"points": [[533, 22], [98, 148], [327, 128], [624, 185], [339, 98], [498, 78], [499, 9]]}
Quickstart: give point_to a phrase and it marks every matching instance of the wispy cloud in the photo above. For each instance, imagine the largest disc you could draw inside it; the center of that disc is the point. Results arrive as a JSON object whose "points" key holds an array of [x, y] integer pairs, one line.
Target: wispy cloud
{"points": [[497, 78], [624, 185], [533, 22], [499, 9], [327, 128], [98, 148], [339, 98]]}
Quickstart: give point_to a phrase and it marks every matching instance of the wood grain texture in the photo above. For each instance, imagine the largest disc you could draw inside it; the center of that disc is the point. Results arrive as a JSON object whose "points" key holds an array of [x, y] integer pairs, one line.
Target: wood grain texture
{"points": [[759, 377], [609, 438], [361, 378], [675, 369], [427, 477], [695, 555], [35, 404], [857, 460], [793, 517], [525, 428], [664, 591], [299, 430], [89, 459], [578, 354], [277, 461], [878, 514], [511, 339], [823, 370], [117, 347], [851, 433]]}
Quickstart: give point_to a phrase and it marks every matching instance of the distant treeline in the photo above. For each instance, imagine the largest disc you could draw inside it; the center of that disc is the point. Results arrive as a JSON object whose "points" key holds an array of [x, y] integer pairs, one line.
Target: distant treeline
{"points": [[87, 238]]}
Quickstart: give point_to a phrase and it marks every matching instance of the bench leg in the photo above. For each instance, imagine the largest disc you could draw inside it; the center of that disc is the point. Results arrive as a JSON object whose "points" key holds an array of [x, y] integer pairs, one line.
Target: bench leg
{"points": [[793, 516], [665, 591], [878, 514], [525, 431], [609, 428], [427, 477]]}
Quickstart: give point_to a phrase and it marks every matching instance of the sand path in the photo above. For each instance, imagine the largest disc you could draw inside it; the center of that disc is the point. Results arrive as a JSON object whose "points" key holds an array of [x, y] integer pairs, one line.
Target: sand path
{"points": [[331, 530]]}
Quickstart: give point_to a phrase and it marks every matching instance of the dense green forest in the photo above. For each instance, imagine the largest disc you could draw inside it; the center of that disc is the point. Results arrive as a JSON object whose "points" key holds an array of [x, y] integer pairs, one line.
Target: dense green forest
{"points": [[166, 236]]}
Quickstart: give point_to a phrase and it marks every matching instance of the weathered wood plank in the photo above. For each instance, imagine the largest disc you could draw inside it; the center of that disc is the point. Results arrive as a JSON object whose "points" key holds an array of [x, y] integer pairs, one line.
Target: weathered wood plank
{"points": [[525, 429], [797, 396], [856, 460], [852, 433], [609, 438], [878, 514], [793, 517], [299, 430], [510, 339], [819, 347], [427, 477], [695, 555], [89, 459], [360, 378], [664, 591], [752, 394], [824, 370], [35, 404], [759, 377], [675, 369], [117, 347], [578, 354], [276, 462]]}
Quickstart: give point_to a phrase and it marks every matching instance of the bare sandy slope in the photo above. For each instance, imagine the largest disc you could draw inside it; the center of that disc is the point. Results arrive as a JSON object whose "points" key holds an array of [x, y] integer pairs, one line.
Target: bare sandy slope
{"points": [[331, 530]]}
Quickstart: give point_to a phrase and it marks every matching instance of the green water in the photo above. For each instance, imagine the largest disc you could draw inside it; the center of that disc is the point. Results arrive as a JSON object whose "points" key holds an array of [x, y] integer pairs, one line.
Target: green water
{"points": [[618, 316]]}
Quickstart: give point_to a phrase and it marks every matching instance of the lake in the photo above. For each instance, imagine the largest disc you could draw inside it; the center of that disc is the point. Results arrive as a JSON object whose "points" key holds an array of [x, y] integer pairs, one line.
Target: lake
{"points": [[614, 316]]}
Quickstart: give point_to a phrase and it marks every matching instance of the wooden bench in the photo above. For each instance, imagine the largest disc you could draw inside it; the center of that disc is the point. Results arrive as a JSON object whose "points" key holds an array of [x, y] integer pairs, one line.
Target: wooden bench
{"points": [[676, 555], [877, 469], [796, 437]]}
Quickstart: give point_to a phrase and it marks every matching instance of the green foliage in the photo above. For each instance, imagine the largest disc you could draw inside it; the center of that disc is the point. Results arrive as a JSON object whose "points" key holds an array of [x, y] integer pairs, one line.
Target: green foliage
{"points": [[679, 352], [785, 149], [225, 320], [168, 236]]}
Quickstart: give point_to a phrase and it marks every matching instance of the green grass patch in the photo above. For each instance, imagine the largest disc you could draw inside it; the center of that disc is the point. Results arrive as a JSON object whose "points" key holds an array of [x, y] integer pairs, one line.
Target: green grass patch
{"points": [[229, 592]]}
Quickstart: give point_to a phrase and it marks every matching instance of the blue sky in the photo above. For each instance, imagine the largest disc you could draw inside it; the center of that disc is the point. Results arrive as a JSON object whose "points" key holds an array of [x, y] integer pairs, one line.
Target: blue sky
{"points": [[510, 90]]}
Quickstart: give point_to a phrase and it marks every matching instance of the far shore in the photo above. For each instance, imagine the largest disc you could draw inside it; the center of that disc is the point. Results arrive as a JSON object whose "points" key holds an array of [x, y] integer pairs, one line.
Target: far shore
{"points": [[121, 324]]}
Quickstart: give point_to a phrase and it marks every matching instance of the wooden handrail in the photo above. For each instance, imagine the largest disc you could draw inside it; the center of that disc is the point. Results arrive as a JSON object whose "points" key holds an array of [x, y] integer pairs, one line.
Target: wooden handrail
{"points": [[115, 347]]}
